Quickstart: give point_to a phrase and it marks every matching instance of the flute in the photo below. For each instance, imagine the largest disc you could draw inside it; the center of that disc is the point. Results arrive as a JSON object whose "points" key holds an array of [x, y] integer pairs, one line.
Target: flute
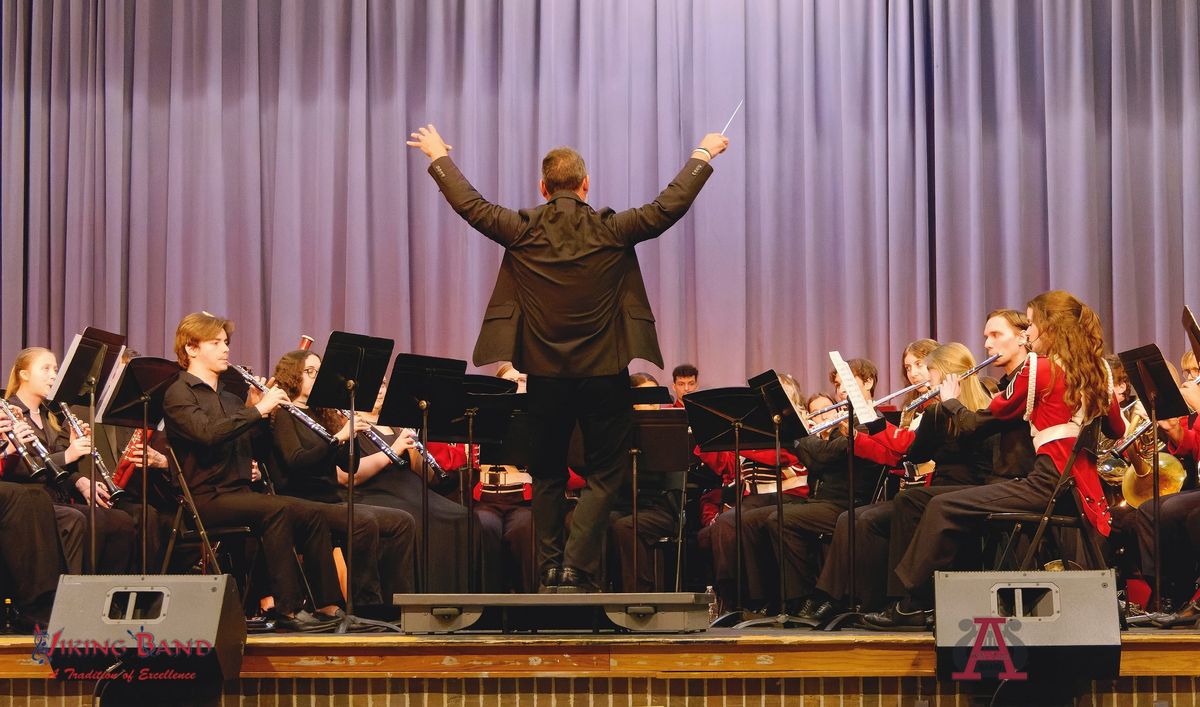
{"points": [[933, 392]]}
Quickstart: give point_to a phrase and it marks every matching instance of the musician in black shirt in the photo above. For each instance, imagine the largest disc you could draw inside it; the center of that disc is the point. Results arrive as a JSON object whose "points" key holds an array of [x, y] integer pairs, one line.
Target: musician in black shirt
{"points": [[210, 431]]}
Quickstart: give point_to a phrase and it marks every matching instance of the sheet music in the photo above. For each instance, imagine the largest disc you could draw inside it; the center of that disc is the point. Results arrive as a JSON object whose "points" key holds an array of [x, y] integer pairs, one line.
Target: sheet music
{"points": [[864, 412], [66, 360]]}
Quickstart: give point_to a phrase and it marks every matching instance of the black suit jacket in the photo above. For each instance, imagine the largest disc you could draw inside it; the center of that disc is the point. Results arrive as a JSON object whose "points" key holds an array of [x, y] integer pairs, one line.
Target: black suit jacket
{"points": [[569, 300]]}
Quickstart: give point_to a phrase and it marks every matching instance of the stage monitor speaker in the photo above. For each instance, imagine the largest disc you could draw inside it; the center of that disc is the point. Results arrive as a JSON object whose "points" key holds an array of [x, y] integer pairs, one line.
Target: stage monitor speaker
{"points": [[176, 629], [1027, 625]]}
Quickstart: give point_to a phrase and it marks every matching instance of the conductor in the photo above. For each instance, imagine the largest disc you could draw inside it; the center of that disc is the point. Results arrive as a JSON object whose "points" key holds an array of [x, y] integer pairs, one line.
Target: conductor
{"points": [[570, 309]]}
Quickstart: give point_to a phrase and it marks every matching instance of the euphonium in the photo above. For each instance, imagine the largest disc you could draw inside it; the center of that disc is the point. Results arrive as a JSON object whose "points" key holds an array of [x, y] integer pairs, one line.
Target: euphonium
{"points": [[1138, 483]]}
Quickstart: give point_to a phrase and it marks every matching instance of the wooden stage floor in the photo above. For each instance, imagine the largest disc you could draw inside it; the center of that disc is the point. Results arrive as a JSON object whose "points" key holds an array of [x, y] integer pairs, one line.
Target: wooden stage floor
{"points": [[727, 652]]}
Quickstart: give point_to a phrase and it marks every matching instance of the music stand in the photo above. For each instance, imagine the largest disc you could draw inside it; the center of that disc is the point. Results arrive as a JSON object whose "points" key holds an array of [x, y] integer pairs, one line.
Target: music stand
{"points": [[785, 420], [660, 447], [1152, 379], [487, 407], [728, 419], [139, 388], [351, 373], [417, 383], [87, 364]]}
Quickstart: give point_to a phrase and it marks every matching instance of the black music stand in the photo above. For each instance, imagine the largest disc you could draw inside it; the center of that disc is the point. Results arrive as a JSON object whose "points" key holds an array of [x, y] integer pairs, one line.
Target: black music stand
{"points": [[140, 388], [786, 422], [88, 364], [660, 447], [1152, 379], [487, 407], [728, 419], [417, 384], [351, 374]]}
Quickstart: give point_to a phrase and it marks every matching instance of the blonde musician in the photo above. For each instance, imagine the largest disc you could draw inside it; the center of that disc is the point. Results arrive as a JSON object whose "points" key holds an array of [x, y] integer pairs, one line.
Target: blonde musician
{"points": [[29, 384]]}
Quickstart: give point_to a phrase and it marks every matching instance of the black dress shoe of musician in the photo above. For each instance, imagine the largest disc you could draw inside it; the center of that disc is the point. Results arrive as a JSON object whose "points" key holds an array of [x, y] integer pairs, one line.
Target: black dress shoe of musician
{"points": [[824, 612], [895, 619], [549, 581], [574, 581], [1187, 616], [304, 622], [806, 608]]}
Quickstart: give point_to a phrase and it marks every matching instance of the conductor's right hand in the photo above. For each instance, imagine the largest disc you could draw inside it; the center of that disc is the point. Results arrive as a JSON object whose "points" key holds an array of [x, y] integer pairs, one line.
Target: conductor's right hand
{"points": [[428, 141], [713, 143]]}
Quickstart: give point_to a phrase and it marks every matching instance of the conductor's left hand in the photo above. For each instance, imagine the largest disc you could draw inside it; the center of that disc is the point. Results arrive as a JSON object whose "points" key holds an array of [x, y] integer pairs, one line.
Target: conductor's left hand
{"points": [[428, 141]]}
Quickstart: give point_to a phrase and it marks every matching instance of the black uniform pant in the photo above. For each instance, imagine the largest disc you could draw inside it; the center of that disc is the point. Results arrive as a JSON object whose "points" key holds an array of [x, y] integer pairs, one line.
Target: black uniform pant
{"points": [[384, 544], [158, 532], [603, 407], [955, 519], [907, 508], [116, 536], [506, 529], [803, 524], [872, 527], [283, 527], [30, 556], [760, 563], [1178, 555], [654, 522]]}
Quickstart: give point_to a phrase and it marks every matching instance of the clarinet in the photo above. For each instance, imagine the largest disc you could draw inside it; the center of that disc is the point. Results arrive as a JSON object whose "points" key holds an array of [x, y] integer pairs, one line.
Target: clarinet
{"points": [[36, 470], [114, 491], [295, 411], [44, 462], [373, 436]]}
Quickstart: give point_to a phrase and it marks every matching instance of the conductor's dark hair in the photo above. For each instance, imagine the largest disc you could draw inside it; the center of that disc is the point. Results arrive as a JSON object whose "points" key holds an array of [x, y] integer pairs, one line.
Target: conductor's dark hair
{"points": [[685, 370], [563, 170]]}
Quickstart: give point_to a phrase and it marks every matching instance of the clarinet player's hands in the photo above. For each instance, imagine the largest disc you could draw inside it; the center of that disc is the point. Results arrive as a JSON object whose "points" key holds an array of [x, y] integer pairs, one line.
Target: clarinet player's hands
{"points": [[84, 486], [427, 140]]}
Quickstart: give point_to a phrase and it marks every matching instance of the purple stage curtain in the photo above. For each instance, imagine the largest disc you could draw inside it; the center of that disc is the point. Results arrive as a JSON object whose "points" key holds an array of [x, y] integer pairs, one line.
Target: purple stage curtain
{"points": [[898, 170]]}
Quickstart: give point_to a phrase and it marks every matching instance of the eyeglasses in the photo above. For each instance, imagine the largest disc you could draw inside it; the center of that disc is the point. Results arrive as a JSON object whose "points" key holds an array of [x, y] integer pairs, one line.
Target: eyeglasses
{"points": [[311, 371]]}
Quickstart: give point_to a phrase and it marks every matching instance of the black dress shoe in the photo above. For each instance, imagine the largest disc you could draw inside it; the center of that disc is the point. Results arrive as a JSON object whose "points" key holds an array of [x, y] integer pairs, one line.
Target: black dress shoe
{"points": [[548, 584], [574, 581], [894, 619], [825, 611], [807, 606]]}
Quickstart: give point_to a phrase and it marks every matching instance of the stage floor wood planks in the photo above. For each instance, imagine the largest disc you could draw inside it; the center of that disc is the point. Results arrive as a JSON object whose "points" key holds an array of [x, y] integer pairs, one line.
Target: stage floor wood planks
{"points": [[723, 652]]}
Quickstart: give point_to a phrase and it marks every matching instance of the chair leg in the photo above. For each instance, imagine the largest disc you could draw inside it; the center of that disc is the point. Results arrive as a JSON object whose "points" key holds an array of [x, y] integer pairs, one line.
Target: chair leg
{"points": [[1008, 546], [170, 551]]}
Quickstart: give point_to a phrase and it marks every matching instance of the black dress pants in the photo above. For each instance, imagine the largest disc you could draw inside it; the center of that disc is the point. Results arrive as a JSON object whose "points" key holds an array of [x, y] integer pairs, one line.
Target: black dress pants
{"points": [[283, 527], [30, 556], [872, 526], [603, 407]]}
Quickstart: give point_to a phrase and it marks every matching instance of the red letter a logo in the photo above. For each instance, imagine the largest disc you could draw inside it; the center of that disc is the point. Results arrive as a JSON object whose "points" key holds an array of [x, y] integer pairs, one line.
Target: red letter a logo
{"points": [[981, 653]]}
